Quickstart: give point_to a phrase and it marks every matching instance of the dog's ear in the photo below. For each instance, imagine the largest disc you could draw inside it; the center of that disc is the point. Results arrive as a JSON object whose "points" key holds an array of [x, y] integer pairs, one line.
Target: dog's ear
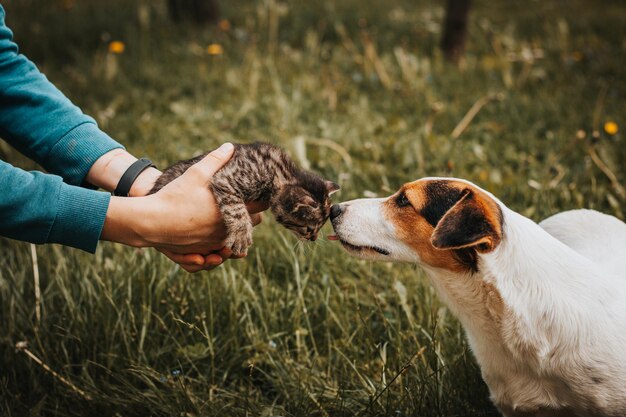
{"points": [[475, 221]]}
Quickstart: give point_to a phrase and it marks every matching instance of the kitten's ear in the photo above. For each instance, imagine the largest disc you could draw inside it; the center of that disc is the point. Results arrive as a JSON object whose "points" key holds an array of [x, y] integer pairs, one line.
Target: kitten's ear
{"points": [[332, 187]]}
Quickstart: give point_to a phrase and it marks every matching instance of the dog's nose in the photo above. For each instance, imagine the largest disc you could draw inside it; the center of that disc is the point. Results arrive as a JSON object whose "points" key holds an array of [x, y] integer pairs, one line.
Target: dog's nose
{"points": [[335, 211]]}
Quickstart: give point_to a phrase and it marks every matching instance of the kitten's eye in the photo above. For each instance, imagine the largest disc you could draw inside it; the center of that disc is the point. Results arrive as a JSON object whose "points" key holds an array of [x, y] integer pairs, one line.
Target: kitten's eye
{"points": [[402, 201]]}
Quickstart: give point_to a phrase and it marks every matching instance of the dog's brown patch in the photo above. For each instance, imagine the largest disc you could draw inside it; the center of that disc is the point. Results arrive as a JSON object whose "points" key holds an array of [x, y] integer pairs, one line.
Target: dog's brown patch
{"points": [[472, 222]]}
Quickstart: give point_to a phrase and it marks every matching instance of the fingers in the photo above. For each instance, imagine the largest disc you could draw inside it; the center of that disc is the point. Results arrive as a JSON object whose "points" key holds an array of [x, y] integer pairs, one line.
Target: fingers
{"points": [[184, 259], [226, 253], [256, 218], [210, 261], [194, 262], [211, 163], [257, 206], [195, 268], [255, 209]]}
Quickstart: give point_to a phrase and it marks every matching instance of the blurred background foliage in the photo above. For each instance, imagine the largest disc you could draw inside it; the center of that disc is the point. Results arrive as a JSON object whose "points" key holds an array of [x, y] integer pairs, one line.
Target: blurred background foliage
{"points": [[358, 91]]}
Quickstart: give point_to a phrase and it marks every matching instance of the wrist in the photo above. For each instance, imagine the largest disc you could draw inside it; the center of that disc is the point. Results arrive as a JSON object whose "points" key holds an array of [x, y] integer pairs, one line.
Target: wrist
{"points": [[127, 221], [109, 168], [144, 182]]}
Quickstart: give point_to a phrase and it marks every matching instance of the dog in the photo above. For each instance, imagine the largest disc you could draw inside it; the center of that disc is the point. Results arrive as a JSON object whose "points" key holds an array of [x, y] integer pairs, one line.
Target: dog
{"points": [[543, 305]]}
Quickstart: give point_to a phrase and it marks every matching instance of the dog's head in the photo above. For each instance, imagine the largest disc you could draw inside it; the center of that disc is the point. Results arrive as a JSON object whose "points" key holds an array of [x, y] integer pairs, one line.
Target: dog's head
{"points": [[439, 222]]}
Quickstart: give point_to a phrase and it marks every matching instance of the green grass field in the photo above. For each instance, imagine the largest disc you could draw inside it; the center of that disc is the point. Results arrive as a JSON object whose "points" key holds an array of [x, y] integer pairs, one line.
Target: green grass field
{"points": [[359, 92]]}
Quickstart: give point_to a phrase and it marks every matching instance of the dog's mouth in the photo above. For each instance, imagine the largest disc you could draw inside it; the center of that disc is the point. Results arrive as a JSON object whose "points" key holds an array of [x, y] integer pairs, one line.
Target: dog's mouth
{"points": [[357, 248]]}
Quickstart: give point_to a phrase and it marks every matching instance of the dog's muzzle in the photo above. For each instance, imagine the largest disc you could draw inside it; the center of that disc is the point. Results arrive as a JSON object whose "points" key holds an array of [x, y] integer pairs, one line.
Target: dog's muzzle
{"points": [[336, 211]]}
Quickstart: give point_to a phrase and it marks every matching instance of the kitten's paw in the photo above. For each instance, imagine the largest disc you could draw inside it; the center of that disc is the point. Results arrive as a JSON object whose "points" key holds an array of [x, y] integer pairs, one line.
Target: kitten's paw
{"points": [[239, 240]]}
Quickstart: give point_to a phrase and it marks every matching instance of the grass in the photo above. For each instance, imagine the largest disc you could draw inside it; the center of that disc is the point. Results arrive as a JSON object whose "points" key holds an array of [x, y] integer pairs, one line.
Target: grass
{"points": [[357, 91]]}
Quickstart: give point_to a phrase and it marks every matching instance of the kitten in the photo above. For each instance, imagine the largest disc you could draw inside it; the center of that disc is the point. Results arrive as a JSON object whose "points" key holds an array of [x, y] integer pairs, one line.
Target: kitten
{"points": [[263, 172]]}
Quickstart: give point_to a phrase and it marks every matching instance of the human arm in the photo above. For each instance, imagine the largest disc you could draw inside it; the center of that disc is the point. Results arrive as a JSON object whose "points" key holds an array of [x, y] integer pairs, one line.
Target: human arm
{"points": [[39, 121], [182, 220], [41, 208]]}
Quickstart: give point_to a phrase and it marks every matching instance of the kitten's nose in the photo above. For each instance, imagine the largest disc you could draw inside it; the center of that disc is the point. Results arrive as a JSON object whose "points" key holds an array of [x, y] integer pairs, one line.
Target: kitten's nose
{"points": [[335, 211]]}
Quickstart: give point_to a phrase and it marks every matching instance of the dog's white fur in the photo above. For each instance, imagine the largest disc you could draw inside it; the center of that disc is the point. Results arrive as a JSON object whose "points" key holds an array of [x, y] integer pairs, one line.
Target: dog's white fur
{"points": [[545, 314]]}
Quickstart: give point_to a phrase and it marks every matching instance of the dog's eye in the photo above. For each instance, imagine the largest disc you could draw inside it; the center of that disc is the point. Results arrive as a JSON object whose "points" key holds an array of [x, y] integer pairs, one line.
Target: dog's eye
{"points": [[402, 201]]}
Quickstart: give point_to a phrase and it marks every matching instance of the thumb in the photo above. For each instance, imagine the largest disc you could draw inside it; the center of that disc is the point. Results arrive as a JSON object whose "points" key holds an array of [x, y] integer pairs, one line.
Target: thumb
{"points": [[211, 163]]}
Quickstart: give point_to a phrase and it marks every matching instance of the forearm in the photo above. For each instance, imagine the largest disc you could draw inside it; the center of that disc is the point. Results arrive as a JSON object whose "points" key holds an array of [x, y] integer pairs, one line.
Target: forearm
{"points": [[109, 168], [123, 222], [43, 124]]}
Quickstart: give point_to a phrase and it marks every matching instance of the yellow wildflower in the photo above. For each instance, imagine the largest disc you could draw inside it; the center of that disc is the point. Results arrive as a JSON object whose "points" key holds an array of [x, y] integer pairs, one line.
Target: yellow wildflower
{"points": [[117, 47], [214, 49], [611, 128]]}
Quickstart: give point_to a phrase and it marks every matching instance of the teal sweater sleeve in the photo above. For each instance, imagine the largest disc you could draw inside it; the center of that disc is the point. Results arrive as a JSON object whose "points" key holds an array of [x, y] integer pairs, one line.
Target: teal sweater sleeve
{"points": [[41, 208], [39, 121]]}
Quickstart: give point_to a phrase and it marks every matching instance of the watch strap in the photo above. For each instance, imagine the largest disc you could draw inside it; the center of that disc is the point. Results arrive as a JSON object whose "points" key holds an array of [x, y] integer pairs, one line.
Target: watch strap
{"points": [[131, 174]]}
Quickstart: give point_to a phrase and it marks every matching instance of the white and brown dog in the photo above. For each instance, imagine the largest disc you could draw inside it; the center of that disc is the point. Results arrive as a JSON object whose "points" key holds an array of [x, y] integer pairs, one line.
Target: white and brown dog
{"points": [[543, 306]]}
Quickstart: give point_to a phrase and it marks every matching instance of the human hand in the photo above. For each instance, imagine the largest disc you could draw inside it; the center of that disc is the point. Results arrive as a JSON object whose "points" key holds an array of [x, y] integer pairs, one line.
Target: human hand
{"points": [[194, 262], [199, 261], [182, 220]]}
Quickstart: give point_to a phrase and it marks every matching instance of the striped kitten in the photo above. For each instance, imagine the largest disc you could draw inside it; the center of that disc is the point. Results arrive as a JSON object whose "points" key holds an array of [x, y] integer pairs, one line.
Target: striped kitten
{"points": [[300, 200]]}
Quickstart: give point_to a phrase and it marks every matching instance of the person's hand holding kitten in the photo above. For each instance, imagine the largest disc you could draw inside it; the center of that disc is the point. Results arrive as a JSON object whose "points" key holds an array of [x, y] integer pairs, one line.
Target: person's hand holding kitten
{"points": [[182, 220], [262, 172]]}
